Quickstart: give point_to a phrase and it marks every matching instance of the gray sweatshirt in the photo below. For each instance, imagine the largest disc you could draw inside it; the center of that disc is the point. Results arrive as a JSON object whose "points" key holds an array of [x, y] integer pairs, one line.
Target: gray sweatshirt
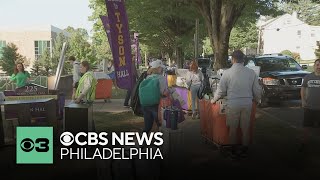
{"points": [[240, 85], [194, 79]]}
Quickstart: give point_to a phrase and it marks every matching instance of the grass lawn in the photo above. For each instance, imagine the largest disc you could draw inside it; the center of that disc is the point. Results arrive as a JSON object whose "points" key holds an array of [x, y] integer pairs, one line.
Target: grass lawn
{"points": [[118, 93]]}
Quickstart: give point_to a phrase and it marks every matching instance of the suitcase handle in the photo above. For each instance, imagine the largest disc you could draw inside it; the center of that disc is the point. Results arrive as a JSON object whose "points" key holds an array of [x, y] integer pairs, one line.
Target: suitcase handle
{"points": [[222, 107]]}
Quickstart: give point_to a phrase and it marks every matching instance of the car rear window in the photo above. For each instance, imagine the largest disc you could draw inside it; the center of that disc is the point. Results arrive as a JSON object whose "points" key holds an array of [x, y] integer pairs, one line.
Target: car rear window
{"points": [[277, 64], [204, 63]]}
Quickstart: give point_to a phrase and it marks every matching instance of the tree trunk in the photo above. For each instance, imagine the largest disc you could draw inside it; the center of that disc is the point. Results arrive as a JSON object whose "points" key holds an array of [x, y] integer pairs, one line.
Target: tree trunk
{"points": [[146, 59], [179, 56], [220, 17], [220, 57]]}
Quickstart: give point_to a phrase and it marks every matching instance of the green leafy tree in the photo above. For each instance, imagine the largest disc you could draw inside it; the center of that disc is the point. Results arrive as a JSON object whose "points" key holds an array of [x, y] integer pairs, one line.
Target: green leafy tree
{"points": [[10, 57], [294, 55], [166, 27], [46, 62], [56, 51], [207, 46], [222, 15], [36, 69], [245, 36], [308, 10], [286, 52], [99, 40], [79, 45]]}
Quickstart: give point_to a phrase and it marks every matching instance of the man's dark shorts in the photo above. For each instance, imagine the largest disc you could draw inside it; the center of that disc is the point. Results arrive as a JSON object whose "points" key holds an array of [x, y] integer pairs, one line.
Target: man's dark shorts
{"points": [[311, 118], [75, 85]]}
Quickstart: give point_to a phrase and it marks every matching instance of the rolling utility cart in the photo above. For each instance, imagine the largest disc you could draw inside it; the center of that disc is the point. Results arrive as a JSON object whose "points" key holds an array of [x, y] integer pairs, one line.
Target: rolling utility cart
{"points": [[104, 86], [213, 126]]}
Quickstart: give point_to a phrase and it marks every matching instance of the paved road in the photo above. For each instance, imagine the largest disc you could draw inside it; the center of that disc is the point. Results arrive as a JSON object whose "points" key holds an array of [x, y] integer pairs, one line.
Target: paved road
{"points": [[288, 111]]}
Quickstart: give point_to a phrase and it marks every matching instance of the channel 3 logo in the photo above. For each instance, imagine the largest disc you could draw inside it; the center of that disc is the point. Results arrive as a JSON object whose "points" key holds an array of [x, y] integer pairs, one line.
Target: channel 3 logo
{"points": [[34, 145], [28, 145]]}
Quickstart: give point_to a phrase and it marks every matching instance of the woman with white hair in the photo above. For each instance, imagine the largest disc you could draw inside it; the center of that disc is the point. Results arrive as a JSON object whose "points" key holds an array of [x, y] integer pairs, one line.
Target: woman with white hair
{"points": [[150, 91]]}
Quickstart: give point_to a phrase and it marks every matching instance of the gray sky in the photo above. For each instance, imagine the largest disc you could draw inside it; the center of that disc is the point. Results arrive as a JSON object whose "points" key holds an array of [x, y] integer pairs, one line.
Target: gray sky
{"points": [[59, 13]]}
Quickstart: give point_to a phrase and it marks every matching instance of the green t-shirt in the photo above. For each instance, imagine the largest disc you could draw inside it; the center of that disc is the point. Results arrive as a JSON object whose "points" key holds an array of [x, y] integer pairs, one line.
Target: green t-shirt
{"points": [[20, 78]]}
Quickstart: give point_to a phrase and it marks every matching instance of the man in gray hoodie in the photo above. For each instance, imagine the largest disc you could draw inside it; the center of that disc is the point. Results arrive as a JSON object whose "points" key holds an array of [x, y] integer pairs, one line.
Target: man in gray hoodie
{"points": [[240, 86]]}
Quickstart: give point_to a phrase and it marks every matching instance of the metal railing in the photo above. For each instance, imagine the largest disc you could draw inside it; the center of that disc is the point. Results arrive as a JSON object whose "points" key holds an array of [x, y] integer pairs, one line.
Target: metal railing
{"points": [[6, 84]]}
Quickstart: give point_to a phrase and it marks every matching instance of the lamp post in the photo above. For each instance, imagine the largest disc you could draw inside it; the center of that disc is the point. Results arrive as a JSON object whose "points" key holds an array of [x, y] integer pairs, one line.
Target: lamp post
{"points": [[196, 39]]}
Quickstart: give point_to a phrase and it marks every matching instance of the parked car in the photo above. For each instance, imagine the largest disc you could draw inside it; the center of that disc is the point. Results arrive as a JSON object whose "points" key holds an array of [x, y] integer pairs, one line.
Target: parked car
{"points": [[281, 77]]}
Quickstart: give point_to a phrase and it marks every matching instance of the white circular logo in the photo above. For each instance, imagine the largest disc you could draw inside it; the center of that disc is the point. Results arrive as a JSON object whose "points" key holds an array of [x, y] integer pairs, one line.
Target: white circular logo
{"points": [[66, 138]]}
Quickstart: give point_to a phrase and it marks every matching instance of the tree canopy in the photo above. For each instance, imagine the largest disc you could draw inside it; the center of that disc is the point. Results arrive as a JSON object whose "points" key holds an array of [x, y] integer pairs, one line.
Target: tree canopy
{"points": [[79, 46], [167, 27], [10, 57], [308, 10], [222, 15]]}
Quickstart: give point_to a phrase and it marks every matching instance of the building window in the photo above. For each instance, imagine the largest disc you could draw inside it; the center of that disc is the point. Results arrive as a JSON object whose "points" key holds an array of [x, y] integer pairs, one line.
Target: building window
{"points": [[299, 33], [2, 44], [288, 21], [39, 47]]}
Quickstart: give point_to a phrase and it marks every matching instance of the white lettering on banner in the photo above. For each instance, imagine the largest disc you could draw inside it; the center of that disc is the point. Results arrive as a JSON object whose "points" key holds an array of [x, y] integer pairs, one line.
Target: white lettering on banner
{"points": [[123, 74]]}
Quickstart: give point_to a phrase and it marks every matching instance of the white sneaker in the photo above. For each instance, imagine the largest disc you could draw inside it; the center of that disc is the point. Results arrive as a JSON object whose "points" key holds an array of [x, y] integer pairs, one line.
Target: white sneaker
{"points": [[193, 115]]}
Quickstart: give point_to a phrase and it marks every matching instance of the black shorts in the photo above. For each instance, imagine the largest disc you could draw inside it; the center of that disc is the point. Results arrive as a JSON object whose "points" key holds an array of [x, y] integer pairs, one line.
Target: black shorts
{"points": [[311, 118], [76, 85]]}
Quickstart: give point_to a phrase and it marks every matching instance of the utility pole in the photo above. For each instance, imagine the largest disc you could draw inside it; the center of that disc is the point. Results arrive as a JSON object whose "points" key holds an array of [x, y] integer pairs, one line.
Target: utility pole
{"points": [[196, 39], [259, 41]]}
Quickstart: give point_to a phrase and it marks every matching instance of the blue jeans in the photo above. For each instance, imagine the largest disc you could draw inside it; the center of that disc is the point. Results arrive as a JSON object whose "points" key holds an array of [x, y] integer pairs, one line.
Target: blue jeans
{"points": [[194, 91], [150, 114], [126, 100]]}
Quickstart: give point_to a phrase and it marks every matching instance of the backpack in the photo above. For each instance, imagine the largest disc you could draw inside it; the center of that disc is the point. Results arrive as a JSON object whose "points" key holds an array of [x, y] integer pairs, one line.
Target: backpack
{"points": [[135, 101], [204, 86], [149, 91]]}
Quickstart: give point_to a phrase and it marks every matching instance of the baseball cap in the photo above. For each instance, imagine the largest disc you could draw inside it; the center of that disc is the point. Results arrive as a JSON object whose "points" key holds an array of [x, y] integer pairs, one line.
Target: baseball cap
{"points": [[157, 63]]}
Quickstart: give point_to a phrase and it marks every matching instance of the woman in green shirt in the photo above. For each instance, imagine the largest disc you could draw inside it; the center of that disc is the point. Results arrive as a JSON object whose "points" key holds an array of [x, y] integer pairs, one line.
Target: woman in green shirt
{"points": [[20, 76]]}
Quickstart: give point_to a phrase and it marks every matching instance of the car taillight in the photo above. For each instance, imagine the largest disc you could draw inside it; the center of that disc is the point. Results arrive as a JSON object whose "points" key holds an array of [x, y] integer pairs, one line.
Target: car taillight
{"points": [[270, 81]]}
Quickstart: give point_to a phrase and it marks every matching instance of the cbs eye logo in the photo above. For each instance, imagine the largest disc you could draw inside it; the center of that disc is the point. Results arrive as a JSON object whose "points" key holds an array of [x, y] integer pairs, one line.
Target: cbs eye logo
{"points": [[40, 145], [66, 138]]}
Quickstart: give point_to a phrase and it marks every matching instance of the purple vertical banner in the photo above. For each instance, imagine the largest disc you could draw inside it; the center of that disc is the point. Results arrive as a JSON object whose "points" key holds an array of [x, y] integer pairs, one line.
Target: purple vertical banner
{"points": [[138, 56], [106, 25], [120, 42]]}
